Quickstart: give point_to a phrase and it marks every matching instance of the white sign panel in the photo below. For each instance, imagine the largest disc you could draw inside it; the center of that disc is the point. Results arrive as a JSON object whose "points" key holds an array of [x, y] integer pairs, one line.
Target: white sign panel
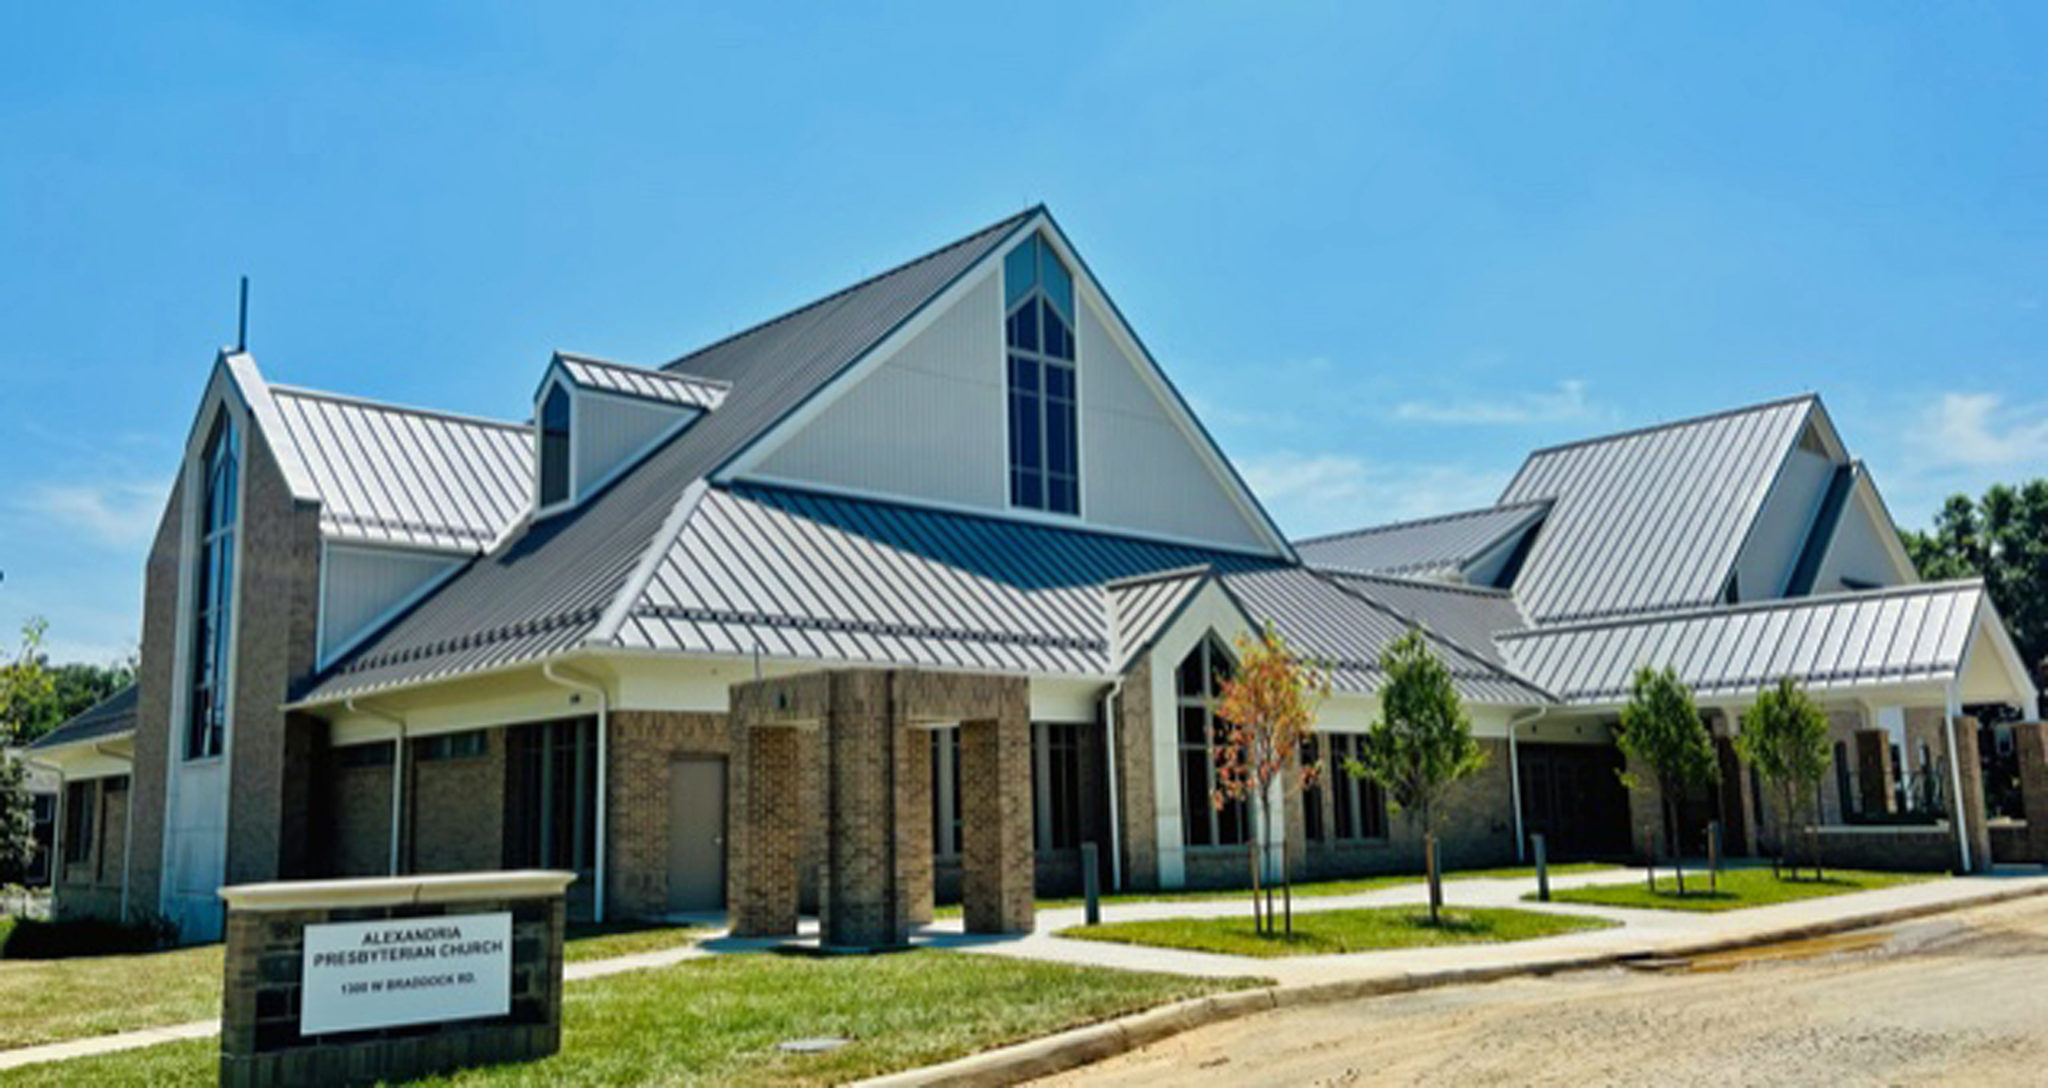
{"points": [[360, 975]]}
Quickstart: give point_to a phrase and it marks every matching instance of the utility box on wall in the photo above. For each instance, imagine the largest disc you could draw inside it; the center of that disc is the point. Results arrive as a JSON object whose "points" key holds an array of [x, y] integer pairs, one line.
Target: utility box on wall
{"points": [[338, 982]]}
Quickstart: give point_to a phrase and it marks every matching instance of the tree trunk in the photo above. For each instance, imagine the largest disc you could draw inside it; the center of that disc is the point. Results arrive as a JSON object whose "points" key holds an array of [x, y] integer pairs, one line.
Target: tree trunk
{"points": [[1671, 829], [1252, 851], [1436, 888]]}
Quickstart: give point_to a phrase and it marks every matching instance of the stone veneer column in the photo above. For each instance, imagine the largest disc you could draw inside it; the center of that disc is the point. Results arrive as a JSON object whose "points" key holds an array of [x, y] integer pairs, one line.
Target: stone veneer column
{"points": [[860, 901], [1137, 800], [1972, 800], [915, 887], [995, 780], [1874, 771], [764, 829], [2030, 744]]}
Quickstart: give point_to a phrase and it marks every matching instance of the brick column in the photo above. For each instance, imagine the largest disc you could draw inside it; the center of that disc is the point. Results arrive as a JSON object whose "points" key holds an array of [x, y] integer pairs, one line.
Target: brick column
{"points": [[914, 823], [860, 904], [2030, 742], [1874, 771], [1971, 803], [1137, 801], [995, 780], [764, 829]]}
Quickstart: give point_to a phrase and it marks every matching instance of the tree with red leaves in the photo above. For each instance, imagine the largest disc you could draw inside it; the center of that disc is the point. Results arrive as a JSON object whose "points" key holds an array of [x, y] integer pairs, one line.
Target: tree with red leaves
{"points": [[1268, 710]]}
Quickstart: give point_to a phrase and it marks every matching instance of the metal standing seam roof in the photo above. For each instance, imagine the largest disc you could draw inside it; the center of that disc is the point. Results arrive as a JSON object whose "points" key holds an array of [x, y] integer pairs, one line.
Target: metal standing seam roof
{"points": [[386, 474], [1884, 636], [110, 717], [1140, 608], [796, 575], [1428, 547], [1653, 519], [1344, 628], [544, 590], [1470, 616], [661, 386]]}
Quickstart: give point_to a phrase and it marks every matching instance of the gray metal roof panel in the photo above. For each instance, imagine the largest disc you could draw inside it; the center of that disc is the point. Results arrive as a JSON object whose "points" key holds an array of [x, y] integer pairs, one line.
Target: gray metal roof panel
{"points": [[1466, 615], [1340, 623], [386, 474], [110, 717], [1430, 546], [664, 386], [1653, 519], [1865, 637]]}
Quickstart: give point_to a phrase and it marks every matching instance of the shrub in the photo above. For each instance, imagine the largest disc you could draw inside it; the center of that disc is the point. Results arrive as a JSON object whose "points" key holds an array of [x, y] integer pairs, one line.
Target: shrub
{"points": [[34, 939]]}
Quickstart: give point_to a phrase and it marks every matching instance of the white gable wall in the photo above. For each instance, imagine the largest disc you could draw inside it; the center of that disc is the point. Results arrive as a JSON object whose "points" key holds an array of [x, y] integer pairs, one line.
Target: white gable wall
{"points": [[1782, 526], [362, 586], [608, 432], [1865, 547], [928, 424]]}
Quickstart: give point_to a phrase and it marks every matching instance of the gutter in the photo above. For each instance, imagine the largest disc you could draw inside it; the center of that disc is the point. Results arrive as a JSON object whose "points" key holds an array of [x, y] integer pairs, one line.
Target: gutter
{"points": [[604, 703], [1515, 776], [397, 771]]}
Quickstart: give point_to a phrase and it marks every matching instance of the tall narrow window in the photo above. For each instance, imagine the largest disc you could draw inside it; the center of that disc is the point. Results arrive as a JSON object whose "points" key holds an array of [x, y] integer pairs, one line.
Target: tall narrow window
{"points": [[1197, 684], [1056, 785], [946, 792], [206, 711], [554, 447], [1045, 461], [551, 796]]}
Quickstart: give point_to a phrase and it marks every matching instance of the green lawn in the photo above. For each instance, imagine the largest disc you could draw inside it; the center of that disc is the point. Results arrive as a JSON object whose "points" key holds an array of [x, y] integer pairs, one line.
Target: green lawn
{"points": [[45, 1001], [1321, 933], [1321, 889], [719, 1020], [1738, 888]]}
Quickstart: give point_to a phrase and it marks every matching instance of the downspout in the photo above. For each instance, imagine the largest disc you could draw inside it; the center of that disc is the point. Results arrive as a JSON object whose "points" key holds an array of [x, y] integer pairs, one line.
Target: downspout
{"points": [[1515, 777], [1116, 854], [604, 704], [397, 771], [127, 824], [1955, 768]]}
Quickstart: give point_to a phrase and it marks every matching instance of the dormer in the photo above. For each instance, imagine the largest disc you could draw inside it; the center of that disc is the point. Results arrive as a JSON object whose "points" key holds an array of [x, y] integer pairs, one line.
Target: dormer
{"points": [[595, 419]]}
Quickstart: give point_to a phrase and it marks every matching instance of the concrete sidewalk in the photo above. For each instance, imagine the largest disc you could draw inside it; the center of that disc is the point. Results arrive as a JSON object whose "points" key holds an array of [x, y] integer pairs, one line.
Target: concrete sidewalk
{"points": [[1318, 979]]}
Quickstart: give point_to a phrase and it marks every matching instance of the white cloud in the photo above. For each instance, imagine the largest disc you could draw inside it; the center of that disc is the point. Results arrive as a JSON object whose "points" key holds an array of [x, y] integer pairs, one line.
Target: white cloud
{"points": [[1979, 430], [1566, 403], [1311, 493], [115, 515]]}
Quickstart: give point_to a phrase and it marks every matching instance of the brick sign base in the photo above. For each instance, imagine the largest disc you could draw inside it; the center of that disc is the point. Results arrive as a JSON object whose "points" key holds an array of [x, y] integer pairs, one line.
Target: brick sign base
{"points": [[260, 1040]]}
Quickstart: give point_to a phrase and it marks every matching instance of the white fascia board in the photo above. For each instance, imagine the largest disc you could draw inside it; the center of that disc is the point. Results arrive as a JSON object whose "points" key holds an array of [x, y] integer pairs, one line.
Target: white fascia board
{"points": [[255, 394]]}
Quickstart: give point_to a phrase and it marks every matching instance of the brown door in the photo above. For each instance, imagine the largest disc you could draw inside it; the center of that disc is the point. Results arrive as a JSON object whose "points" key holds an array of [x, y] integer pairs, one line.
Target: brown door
{"points": [[696, 834]]}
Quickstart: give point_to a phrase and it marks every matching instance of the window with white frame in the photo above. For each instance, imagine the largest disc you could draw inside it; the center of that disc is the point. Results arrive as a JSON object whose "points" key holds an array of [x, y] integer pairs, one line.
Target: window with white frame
{"points": [[214, 590], [1197, 685], [1038, 294], [1361, 805]]}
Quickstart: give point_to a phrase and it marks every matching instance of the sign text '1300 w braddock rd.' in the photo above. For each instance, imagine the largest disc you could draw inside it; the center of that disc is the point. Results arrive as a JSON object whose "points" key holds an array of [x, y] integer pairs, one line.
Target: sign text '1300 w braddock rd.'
{"points": [[362, 975]]}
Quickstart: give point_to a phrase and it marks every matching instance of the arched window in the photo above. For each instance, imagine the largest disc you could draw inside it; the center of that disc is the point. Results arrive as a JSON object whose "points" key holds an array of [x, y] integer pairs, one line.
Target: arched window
{"points": [[206, 703], [554, 447], [1045, 462], [1197, 684]]}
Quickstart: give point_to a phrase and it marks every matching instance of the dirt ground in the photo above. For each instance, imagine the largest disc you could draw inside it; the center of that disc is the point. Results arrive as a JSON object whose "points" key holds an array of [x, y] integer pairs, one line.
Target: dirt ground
{"points": [[1958, 999]]}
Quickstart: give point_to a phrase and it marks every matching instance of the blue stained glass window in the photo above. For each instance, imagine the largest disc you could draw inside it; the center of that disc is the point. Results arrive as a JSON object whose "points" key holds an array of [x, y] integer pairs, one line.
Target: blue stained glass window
{"points": [[1038, 294], [206, 710]]}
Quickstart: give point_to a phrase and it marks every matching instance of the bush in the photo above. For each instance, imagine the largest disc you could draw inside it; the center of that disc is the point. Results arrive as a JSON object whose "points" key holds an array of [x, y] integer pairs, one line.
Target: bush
{"points": [[34, 939]]}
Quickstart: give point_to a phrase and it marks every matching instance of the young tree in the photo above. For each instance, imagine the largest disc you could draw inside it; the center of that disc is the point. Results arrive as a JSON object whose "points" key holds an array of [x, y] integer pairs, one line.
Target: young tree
{"points": [[1421, 745], [1785, 737], [1269, 704], [25, 684], [1661, 728]]}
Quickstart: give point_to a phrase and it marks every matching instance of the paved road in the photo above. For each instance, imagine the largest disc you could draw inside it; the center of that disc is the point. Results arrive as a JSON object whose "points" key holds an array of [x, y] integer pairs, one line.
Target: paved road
{"points": [[1957, 999]]}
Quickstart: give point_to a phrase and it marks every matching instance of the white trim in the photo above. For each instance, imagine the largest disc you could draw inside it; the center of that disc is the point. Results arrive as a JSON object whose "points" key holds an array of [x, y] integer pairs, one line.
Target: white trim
{"points": [[1012, 513], [649, 564]]}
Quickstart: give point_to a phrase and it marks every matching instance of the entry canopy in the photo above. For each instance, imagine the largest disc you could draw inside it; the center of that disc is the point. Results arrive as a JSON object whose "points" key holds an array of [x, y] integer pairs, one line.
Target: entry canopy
{"points": [[1909, 640]]}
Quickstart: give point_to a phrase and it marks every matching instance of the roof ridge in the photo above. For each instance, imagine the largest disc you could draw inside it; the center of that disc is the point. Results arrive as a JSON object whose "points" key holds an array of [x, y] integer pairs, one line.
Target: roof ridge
{"points": [[1668, 425], [1491, 592], [623, 606], [1412, 523], [972, 236], [1192, 570], [1666, 615], [388, 406]]}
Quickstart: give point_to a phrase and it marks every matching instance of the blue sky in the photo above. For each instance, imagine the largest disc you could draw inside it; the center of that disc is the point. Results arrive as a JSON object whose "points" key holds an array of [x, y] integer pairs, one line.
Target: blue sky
{"points": [[1384, 249]]}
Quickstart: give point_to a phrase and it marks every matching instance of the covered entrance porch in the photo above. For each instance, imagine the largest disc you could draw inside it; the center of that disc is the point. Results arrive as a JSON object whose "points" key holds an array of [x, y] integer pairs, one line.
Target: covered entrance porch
{"points": [[873, 760]]}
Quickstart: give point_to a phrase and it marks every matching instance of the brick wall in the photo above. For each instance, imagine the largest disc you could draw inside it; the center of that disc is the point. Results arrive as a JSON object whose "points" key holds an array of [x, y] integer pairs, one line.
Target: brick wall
{"points": [[359, 836], [455, 810], [1910, 849], [91, 886], [641, 746], [153, 706]]}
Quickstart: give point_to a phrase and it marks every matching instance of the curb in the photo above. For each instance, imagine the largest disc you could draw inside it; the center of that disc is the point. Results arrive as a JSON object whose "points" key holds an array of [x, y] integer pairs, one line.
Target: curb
{"points": [[1077, 1047]]}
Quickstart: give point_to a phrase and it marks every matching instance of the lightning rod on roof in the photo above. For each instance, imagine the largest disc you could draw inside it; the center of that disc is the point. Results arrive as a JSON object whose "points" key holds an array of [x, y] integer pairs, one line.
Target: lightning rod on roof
{"points": [[242, 320]]}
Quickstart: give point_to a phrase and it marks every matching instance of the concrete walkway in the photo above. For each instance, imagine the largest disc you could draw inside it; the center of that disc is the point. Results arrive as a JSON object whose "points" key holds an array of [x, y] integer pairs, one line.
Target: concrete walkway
{"points": [[1641, 932]]}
